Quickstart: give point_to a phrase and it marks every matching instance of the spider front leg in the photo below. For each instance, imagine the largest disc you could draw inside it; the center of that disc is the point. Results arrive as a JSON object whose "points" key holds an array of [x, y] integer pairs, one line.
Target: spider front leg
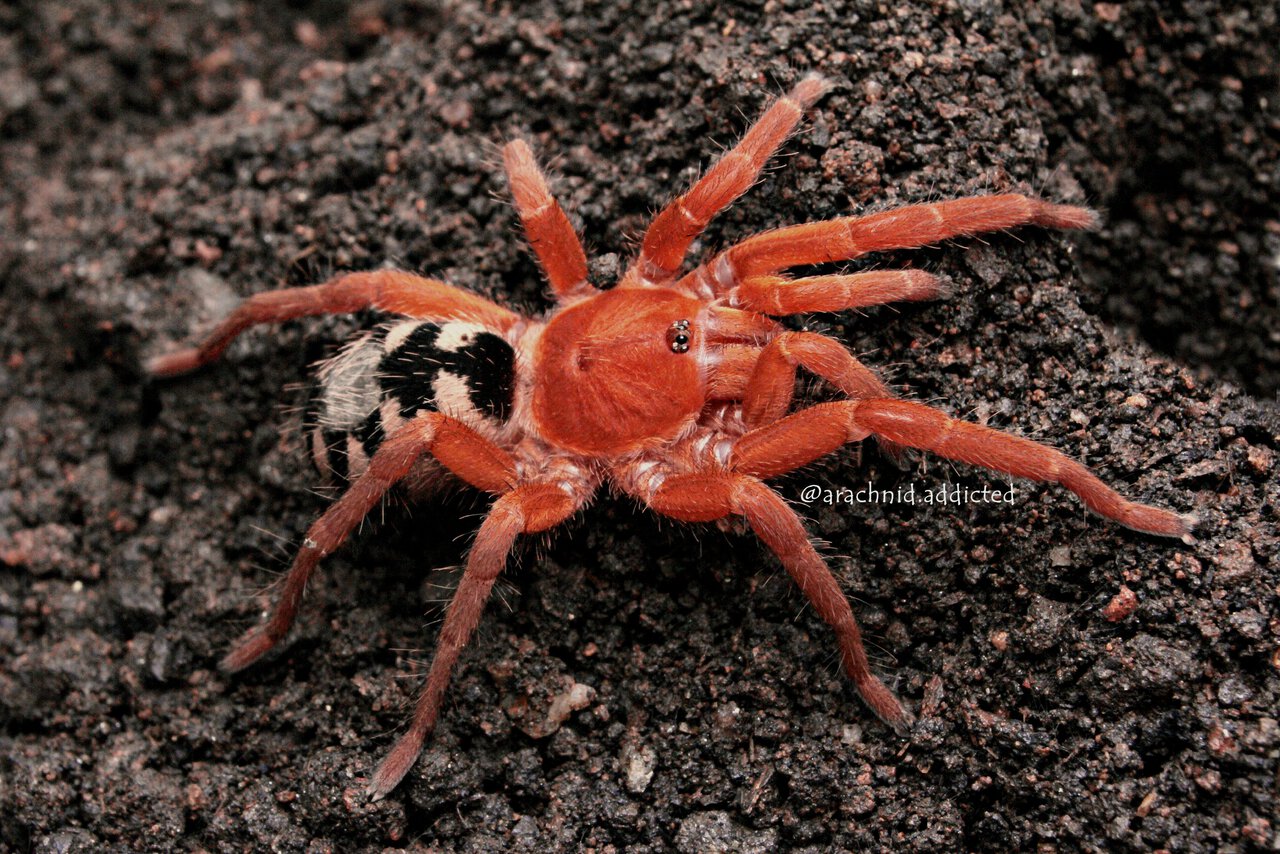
{"points": [[546, 225], [667, 240], [458, 448], [529, 508], [709, 496], [908, 227], [779, 295], [386, 290], [804, 436]]}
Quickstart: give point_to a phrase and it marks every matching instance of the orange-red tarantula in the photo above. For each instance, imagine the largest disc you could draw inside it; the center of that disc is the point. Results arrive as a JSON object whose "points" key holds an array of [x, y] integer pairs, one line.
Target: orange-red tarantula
{"points": [[675, 389]]}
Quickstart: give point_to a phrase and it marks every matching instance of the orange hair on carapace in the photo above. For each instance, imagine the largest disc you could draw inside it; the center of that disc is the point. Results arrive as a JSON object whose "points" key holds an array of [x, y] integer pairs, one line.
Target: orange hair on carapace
{"points": [[607, 379]]}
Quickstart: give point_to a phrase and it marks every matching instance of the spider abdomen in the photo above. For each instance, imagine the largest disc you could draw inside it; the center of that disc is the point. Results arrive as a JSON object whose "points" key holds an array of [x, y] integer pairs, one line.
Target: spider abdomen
{"points": [[387, 375]]}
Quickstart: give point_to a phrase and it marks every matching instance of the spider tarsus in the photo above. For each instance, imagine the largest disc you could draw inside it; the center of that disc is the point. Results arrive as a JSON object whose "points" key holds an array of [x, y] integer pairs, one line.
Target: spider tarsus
{"points": [[884, 703], [944, 287], [255, 645], [395, 766], [1190, 521], [810, 90], [1050, 215], [1162, 523], [904, 724], [887, 707], [173, 364]]}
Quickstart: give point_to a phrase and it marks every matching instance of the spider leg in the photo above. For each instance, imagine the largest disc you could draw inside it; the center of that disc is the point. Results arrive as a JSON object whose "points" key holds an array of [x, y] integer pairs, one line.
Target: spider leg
{"points": [[711, 495], [528, 508], [387, 290], [672, 231], [772, 385], [769, 392], [804, 436], [546, 225], [463, 451], [909, 227], [778, 295]]}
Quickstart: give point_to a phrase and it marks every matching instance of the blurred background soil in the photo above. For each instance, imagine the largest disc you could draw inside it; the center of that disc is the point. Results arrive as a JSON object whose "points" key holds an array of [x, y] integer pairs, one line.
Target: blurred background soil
{"points": [[1080, 686]]}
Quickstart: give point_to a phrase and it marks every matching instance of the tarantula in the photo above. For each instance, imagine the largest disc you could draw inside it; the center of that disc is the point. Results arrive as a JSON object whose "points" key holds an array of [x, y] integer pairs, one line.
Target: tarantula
{"points": [[675, 389]]}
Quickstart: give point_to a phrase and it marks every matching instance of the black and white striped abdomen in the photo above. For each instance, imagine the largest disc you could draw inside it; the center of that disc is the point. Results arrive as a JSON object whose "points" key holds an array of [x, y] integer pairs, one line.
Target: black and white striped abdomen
{"points": [[385, 376]]}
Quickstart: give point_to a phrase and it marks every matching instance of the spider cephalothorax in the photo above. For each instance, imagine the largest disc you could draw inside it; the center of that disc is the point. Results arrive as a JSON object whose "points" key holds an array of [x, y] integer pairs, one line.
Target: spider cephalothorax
{"points": [[675, 389]]}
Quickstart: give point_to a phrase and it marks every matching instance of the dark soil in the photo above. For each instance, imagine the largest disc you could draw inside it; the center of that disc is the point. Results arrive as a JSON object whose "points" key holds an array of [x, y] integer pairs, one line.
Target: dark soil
{"points": [[1080, 686]]}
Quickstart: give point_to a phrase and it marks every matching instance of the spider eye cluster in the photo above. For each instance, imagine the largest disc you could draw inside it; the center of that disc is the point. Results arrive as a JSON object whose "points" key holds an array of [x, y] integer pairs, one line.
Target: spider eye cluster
{"points": [[678, 336]]}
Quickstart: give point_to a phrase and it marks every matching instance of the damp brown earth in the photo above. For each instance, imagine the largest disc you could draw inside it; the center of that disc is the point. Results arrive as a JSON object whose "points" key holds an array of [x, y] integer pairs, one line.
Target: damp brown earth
{"points": [[637, 684]]}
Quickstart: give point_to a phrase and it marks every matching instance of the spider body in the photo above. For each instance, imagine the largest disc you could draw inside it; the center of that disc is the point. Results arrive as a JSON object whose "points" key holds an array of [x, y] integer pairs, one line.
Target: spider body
{"points": [[675, 390]]}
